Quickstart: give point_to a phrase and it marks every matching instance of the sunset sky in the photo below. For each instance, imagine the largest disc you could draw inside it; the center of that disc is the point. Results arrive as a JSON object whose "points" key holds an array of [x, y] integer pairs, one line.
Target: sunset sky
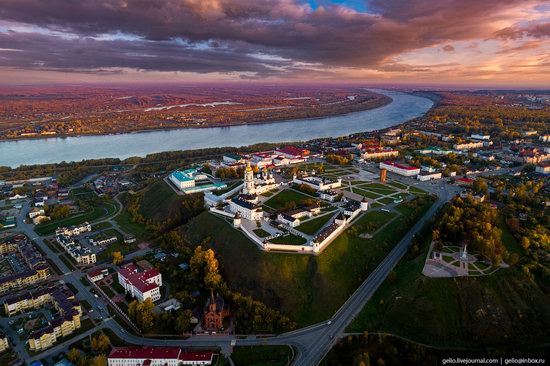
{"points": [[485, 43]]}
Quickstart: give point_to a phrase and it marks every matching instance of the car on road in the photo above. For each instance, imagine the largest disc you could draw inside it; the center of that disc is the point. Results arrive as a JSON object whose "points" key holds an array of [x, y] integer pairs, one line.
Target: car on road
{"points": [[329, 322]]}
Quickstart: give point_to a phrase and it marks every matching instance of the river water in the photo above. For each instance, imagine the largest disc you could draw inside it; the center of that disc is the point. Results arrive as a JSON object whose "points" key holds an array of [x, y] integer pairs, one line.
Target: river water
{"points": [[53, 150]]}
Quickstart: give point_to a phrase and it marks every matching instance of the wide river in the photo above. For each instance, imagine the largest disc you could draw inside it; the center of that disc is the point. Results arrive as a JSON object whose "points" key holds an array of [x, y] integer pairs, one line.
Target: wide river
{"points": [[53, 150]]}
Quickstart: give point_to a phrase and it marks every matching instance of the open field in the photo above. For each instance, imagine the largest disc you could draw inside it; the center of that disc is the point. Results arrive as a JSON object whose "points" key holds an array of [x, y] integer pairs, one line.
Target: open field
{"points": [[366, 193], [278, 201], [102, 225], [115, 247], [458, 312], [307, 288], [397, 184], [312, 226], [373, 221], [124, 220], [104, 209]]}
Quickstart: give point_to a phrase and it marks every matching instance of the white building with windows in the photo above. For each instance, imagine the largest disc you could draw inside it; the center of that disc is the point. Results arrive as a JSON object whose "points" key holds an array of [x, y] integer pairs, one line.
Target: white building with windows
{"points": [[469, 145], [401, 169], [157, 356], [425, 176], [74, 230], [141, 285], [318, 183], [247, 206], [379, 153], [192, 181]]}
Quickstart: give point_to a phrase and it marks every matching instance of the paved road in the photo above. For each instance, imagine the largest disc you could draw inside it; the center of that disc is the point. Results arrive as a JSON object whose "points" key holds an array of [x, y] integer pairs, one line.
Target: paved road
{"points": [[68, 276], [311, 343]]}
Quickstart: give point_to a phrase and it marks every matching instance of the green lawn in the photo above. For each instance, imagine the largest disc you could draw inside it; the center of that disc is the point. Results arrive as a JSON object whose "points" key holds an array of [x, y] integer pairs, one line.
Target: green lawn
{"points": [[397, 185], [107, 291], [307, 288], [278, 201], [72, 288], [262, 355], [106, 255], [455, 312], [53, 267], [261, 233], [159, 201], [417, 190], [68, 261], [7, 357], [366, 193], [312, 226], [380, 186], [114, 232], [290, 239], [386, 200], [384, 190], [102, 225], [117, 287], [96, 212], [84, 281], [53, 246], [358, 182], [82, 194], [373, 220], [124, 220], [508, 239]]}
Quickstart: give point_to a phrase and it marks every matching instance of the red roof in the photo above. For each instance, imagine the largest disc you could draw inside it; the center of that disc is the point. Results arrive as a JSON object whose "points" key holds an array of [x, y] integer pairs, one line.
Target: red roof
{"points": [[264, 154], [139, 279], [96, 272], [151, 353], [400, 166], [465, 180], [294, 151], [196, 356], [145, 352]]}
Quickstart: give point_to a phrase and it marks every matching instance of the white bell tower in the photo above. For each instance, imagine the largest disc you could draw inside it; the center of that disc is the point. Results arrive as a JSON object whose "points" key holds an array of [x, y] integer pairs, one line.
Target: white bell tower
{"points": [[248, 187]]}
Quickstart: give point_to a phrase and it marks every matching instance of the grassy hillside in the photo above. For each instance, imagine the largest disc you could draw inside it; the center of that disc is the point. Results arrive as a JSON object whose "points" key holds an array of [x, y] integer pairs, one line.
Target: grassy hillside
{"points": [[501, 309], [306, 288], [159, 202]]}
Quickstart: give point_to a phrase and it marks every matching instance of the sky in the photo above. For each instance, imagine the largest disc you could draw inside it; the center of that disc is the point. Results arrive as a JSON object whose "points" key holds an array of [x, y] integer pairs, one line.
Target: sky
{"points": [[470, 43]]}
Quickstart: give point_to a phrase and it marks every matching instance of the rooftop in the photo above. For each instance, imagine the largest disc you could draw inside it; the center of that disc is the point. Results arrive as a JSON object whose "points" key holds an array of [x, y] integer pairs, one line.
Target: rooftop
{"points": [[153, 353], [139, 279], [400, 166]]}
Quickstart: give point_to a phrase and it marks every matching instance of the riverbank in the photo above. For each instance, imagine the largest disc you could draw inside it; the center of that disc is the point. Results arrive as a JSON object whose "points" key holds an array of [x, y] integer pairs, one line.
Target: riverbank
{"points": [[301, 114], [403, 107], [381, 102]]}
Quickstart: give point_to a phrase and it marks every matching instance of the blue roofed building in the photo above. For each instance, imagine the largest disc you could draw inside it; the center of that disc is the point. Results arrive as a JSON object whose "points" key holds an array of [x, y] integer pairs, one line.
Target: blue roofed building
{"points": [[192, 181]]}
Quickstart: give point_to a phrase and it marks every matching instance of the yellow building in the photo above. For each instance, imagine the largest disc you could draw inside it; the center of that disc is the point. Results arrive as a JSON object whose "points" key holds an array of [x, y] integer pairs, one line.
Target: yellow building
{"points": [[64, 302], [36, 266], [47, 337], [4, 344]]}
